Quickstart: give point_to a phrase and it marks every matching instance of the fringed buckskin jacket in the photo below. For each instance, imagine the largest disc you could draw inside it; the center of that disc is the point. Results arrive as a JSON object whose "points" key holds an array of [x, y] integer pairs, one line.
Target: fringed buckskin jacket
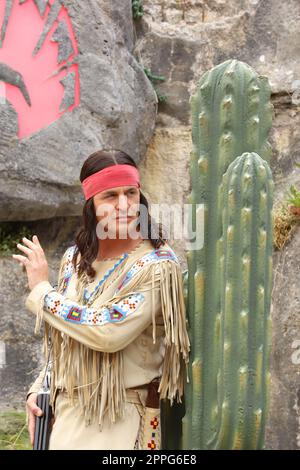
{"points": [[123, 334]]}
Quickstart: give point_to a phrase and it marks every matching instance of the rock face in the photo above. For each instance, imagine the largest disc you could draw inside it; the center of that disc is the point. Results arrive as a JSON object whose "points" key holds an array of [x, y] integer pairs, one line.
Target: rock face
{"points": [[20, 350], [179, 40], [283, 431], [110, 100]]}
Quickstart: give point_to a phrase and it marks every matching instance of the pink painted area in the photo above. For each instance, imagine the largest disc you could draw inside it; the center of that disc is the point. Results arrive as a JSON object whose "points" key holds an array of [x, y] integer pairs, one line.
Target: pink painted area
{"points": [[46, 92]]}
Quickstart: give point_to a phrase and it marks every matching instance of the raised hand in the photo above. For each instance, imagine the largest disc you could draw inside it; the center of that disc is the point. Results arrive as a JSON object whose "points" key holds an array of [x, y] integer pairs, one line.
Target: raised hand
{"points": [[35, 262]]}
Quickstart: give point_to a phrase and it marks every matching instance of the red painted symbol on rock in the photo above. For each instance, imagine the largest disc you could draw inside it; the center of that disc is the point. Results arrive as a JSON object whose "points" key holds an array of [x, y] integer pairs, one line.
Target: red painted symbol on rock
{"points": [[39, 73]]}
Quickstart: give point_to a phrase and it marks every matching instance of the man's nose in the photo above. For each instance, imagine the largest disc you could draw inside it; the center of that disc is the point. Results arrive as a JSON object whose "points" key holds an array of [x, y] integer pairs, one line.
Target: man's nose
{"points": [[122, 202]]}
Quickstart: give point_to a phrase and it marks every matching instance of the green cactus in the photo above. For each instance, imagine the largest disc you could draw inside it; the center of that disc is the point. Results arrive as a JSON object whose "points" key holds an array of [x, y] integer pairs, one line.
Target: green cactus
{"points": [[244, 323], [231, 115]]}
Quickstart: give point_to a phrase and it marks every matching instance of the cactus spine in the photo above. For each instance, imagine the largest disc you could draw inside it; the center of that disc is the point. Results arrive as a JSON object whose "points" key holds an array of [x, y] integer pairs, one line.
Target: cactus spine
{"points": [[225, 399]]}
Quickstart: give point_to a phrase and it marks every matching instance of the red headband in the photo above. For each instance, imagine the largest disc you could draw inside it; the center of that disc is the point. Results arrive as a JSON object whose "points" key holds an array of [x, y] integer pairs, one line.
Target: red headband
{"points": [[110, 177]]}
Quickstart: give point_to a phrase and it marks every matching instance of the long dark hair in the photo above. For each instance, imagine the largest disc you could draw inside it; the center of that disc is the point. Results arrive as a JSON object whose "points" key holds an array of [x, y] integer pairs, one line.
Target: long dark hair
{"points": [[86, 239]]}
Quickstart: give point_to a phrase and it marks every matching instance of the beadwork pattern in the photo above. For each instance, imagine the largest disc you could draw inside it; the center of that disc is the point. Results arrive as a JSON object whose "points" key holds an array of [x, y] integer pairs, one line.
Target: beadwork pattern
{"points": [[154, 423], [88, 297], [153, 256], [147, 259], [58, 305]]}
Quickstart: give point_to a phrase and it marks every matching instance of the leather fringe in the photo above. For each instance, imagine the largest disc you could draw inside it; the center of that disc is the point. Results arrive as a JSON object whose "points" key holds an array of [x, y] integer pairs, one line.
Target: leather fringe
{"points": [[96, 378]]}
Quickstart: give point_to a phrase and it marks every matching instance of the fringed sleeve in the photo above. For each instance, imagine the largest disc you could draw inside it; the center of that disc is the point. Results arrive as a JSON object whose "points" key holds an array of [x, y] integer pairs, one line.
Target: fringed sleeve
{"points": [[165, 276], [175, 371]]}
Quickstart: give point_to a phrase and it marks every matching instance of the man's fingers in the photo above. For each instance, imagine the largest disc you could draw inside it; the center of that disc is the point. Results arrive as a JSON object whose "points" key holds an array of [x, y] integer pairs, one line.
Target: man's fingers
{"points": [[36, 410], [36, 241], [21, 259], [30, 253], [34, 245], [31, 427], [32, 406]]}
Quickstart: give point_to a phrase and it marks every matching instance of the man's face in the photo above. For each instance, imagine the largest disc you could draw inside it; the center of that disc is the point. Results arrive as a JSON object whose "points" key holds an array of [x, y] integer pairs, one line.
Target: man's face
{"points": [[117, 211]]}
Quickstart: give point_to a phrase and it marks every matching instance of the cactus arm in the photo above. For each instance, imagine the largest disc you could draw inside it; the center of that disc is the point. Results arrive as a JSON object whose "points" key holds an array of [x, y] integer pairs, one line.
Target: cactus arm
{"points": [[247, 230]]}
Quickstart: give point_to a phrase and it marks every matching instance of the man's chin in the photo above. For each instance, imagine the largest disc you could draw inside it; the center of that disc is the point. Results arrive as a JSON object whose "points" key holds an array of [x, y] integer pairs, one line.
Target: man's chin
{"points": [[122, 233]]}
